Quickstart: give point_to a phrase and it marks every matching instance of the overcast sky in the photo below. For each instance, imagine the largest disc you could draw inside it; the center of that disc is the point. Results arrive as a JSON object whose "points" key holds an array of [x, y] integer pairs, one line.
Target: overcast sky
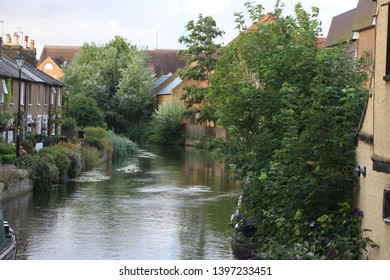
{"points": [[146, 23]]}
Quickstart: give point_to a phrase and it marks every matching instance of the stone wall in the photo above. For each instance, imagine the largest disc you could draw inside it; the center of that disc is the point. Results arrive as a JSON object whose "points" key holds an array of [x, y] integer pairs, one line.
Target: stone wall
{"points": [[19, 182]]}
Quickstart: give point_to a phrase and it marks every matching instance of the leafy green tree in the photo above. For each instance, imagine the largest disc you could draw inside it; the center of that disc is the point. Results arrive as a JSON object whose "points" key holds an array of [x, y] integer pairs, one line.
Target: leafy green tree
{"points": [[201, 58], [116, 76], [85, 111], [291, 110]]}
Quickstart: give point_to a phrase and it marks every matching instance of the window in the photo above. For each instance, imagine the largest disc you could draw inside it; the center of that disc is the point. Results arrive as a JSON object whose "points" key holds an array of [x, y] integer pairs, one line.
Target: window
{"points": [[52, 92], [44, 95], [48, 66], [22, 94], [38, 94], [59, 101], [386, 205], [387, 74], [29, 95]]}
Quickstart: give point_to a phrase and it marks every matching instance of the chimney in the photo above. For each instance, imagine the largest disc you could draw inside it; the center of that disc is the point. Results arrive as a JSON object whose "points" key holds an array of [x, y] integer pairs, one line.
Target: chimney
{"points": [[1, 46], [16, 39], [25, 43], [7, 39], [32, 44]]}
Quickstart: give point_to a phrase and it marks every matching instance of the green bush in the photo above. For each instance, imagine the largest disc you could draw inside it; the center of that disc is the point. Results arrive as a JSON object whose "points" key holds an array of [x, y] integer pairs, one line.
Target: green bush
{"points": [[69, 124], [39, 137], [166, 127], [122, 146], [43, 172], [7, 149], [96, 132], [8, 158], [94, 142], [27, 146], [32, 139], [60, 159], [76, 164], [90, 157]]}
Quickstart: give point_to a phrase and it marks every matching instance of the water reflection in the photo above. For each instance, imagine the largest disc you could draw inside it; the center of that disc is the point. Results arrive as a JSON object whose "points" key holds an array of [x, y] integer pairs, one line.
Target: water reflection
{"points": [[166, 203]]}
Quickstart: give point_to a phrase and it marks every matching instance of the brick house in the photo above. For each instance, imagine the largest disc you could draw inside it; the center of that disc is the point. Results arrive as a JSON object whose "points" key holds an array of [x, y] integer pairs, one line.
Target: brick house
{"points": [[40, 95]]}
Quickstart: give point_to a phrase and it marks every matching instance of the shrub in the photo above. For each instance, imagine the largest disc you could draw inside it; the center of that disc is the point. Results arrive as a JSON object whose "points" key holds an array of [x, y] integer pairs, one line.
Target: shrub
{"points": [[166, 127], [32, 139], [43, 172], [39, 138], [7, 149], [94, 142], [8, 158], [90, 157], [69, 124], [96, 132], [123, 147], [76, 164], [27, 146], [60, 159]]}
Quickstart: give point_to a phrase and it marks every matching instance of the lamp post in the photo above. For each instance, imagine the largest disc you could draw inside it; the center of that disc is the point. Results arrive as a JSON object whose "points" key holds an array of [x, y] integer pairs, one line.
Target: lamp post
{"points": [[19, 62], [67, 102]]}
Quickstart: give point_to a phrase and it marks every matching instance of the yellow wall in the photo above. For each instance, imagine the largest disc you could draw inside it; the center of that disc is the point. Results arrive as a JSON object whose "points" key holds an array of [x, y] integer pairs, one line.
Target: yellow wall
{"points": [[376, 124]]}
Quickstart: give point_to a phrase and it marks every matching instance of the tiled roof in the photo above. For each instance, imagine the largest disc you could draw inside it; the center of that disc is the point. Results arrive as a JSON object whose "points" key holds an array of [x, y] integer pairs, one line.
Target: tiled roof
{"points": [[343, 25], [341, 28], [365, 11], [164, 62], [59, 54]]}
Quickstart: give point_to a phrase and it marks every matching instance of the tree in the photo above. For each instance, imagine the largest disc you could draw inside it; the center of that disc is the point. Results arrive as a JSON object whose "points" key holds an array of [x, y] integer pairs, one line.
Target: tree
{"points": [[116, 76], [86, 112], [201, 57], [291, 110]]}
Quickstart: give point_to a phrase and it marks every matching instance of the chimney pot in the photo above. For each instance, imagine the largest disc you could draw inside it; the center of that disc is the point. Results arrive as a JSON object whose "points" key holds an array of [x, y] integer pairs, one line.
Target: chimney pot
{"points": [[32, 44], [7, 39], [16, 39], [25, 43]]}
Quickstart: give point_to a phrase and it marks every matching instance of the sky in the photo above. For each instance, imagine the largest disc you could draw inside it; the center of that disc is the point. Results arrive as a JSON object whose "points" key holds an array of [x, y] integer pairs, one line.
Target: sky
{"points": [[148, 24]]}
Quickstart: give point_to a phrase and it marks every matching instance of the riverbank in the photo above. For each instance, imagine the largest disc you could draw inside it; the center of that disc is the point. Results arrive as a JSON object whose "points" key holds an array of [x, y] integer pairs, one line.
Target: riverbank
{"points": [[18, 182]]}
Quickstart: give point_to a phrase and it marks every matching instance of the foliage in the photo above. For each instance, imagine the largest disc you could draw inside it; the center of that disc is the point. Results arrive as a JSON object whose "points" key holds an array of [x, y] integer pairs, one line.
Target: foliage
{"points": [[69, 123], [28, 146], [166, 127], [94, 142], [7, 149], [291, 110], [60, 159], [90, 157], [8, 158], [32, 139], [76, 163], [122, 146], [117, 77], [85, 111], [96, 132], [43, 172], [201, 57]]}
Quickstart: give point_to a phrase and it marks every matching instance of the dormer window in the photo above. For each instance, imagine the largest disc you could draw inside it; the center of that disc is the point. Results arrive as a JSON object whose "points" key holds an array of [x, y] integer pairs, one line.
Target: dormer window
{"points": [[48, 66]]}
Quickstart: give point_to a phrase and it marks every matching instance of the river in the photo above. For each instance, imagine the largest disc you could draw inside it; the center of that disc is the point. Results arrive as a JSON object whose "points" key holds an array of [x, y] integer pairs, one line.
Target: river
{"points": [[166, 203]]}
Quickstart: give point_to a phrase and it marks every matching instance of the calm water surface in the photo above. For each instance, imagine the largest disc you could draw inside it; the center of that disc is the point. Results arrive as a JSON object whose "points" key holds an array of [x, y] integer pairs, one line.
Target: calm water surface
{"points": [[165, 203]]}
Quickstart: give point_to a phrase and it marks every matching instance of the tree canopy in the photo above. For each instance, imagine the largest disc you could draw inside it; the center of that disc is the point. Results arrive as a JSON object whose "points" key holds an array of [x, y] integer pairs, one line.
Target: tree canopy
{"points": [[116, 76]]}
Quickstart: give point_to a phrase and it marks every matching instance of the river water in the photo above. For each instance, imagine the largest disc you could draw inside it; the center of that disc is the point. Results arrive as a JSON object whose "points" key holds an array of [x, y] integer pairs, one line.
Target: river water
{"points": [[166, 203]]}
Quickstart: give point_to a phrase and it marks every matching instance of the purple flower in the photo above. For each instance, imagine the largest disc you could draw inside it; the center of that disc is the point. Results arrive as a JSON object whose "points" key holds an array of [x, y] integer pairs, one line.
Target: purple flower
{"points": [[324, 239], [329, 254], [359, 213]]}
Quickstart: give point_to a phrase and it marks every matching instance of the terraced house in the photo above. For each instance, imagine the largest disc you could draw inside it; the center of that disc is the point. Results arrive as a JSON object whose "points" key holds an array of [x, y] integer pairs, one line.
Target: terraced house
{"points": [[373, 142], [40, 94]]}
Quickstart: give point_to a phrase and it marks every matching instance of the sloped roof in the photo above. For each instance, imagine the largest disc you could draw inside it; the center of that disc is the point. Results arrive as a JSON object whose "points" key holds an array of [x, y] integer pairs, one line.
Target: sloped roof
{"points": [[343, 25], [59, 54], [341, 28], [164, 61], [365, 11]]}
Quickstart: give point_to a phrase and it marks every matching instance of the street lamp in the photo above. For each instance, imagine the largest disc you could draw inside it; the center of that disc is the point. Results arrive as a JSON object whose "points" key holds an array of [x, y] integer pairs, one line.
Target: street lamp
{"points": [[19, 62], [67, 102]]}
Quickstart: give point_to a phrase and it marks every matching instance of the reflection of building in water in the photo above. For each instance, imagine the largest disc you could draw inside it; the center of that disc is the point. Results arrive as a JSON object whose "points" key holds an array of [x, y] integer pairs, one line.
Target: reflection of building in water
{"points": [[200, 169]]}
